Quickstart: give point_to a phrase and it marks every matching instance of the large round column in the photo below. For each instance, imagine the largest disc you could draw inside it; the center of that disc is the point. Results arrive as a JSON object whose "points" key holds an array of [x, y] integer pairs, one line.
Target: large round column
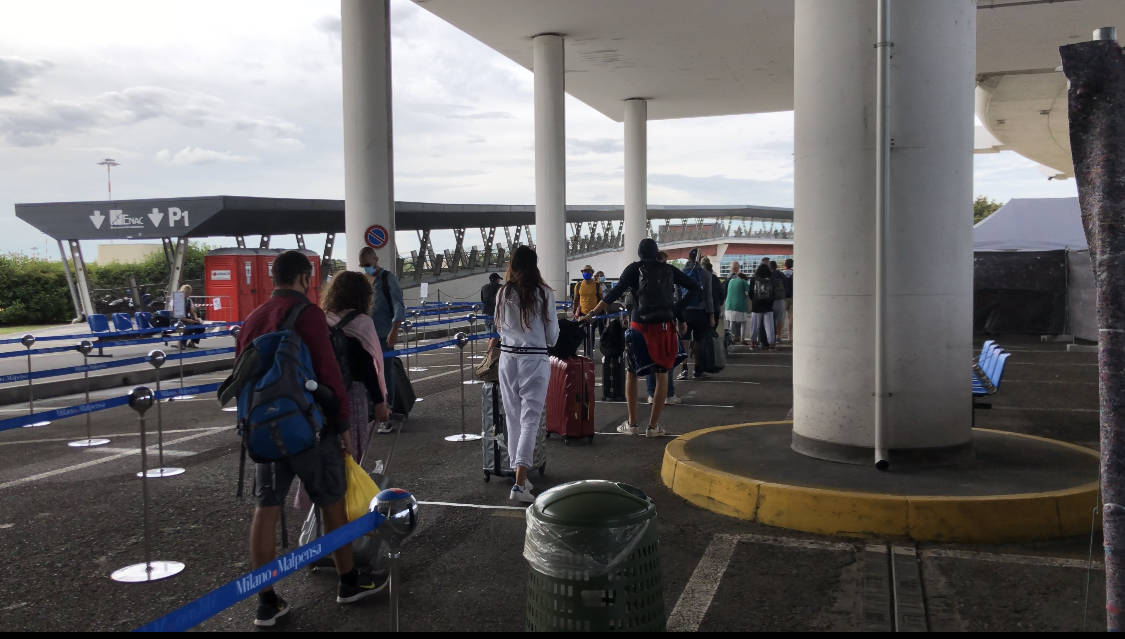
{"points": [[928, 275], [636, 176], [368, 138], [550, 160]]}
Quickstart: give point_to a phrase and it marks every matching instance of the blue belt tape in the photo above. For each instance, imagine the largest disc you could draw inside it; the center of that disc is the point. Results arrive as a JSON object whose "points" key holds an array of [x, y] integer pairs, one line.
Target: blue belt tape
{"points": [[452, 320], [93, 407], [103, 334], [132, 361], [123, 342], [249, 584]]}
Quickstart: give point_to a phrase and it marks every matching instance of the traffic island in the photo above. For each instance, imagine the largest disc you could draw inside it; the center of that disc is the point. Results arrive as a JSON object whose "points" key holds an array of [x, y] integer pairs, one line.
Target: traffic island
{"points": [[1012, 487]]}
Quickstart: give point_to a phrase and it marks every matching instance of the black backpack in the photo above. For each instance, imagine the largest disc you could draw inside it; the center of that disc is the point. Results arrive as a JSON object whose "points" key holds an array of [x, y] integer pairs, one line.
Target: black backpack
{"points": [[571, 336], [342, 347], [613, 339], [656, 293], [763, 289]]}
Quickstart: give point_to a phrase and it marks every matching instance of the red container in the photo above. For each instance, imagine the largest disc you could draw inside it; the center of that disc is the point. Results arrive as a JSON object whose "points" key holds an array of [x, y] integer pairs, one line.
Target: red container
{"points": [[570, 398], [236, 281]]}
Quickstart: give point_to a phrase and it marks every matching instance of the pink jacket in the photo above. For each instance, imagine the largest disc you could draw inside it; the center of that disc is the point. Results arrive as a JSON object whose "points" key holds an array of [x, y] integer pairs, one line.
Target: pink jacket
{"points": [[365, 333]]}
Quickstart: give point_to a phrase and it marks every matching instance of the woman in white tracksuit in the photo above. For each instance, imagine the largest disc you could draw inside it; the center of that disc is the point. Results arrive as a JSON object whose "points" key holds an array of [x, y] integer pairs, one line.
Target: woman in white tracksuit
{"points": [[528, 324]]}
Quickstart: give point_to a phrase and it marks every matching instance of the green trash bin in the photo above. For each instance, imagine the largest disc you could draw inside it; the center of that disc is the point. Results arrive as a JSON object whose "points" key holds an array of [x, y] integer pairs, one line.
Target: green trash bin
{"points": [[592, 549]]}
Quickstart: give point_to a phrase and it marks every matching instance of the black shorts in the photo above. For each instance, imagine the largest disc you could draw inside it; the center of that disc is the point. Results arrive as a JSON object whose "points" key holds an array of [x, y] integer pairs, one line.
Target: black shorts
{"points": [[699, 324], [320, 468]]}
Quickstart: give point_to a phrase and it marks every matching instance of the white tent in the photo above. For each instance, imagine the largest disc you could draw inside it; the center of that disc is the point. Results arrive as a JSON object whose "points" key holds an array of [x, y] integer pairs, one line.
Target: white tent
{"points": [[1032, 224]]}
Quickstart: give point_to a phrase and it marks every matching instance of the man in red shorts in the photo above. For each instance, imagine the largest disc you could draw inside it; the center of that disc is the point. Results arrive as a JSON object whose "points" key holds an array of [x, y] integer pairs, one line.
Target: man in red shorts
{"points": [[651, 341]]}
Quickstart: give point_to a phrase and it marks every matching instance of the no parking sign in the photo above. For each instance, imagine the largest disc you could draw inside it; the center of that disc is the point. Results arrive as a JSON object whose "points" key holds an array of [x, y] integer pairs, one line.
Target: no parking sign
{"points": [[376, 236]]}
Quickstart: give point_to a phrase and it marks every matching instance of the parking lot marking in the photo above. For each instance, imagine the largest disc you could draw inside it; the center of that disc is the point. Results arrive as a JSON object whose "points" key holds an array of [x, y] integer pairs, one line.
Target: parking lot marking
{"points": [[52, 473], [1026, 560], [152, 451], [700, 590]]}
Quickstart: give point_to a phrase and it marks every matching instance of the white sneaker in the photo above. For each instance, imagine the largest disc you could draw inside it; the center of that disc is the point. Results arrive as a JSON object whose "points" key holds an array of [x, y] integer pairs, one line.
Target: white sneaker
{"points": [[628, 429], [671, 400], [655, 431], [384, 428], [650, 399], [520, 495], [528, 486]]}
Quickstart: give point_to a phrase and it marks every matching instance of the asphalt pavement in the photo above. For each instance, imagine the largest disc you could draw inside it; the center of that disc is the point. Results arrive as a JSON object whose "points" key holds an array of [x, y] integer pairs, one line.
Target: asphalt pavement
{"points": [[69, 517]]}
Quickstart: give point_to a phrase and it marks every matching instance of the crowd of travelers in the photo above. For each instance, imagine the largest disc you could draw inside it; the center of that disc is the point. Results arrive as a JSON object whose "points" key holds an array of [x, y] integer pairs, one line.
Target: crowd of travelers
{"points": [[341, 342]]}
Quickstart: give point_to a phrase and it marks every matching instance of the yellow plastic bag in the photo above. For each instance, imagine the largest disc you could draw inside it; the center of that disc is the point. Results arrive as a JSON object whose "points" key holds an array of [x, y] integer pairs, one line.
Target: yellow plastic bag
{"points": [[361, 490]]}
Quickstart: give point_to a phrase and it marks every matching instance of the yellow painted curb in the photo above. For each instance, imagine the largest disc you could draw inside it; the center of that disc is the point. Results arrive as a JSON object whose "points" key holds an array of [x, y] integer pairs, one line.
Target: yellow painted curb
{"points": [[990, 518]]}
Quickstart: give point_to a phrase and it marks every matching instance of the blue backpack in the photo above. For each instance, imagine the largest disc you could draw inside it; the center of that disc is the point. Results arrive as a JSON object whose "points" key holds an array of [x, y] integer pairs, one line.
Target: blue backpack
{"points": [[274, 380]]}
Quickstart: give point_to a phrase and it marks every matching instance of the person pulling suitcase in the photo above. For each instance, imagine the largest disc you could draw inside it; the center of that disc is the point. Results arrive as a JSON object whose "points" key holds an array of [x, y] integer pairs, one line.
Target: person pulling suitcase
{"points": [[528, 325]]}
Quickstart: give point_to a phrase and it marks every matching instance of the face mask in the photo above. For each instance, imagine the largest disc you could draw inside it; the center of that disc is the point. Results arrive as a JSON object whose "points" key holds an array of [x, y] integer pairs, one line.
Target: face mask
{"points": [[370, 270], [587, 276]]}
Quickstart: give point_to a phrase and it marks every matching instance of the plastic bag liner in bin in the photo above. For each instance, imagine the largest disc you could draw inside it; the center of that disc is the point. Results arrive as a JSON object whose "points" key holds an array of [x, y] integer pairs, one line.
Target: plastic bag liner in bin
{"points": [[592, 549]]}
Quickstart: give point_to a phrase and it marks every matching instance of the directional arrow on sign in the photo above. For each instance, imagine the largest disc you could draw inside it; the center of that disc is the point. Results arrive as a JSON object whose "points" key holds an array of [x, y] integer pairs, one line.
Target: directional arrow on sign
{"points": [[156, 216], [97, 218]]}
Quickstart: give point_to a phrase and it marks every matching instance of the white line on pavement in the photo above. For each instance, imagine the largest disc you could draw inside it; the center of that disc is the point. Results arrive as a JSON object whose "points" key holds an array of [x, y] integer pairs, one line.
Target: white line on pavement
{"points": [[153, 451], [700, 590], [133, 434], [1048, 410], [604, 401], [1027, 560], [52, 473]]}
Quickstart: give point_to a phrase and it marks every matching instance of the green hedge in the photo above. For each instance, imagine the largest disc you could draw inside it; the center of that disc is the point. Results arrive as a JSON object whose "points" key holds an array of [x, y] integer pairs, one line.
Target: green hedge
{"points": [[34, 291]]}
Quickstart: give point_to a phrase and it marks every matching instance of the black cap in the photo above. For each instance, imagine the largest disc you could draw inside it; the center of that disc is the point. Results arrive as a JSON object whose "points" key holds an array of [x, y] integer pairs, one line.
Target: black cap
{"points": [[494, 277]]}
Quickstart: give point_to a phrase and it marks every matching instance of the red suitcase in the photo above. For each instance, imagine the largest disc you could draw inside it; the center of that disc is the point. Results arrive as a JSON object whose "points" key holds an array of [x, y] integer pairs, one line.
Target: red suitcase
{"points": [[570, 398]]}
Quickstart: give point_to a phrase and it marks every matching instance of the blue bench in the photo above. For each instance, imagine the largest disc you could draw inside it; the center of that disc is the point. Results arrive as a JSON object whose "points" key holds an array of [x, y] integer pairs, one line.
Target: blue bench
{"points": [[987, 373]]}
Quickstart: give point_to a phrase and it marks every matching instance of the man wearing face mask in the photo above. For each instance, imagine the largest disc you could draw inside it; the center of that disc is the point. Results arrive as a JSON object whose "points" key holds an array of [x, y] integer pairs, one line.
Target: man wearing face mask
{"points": [[387, 309]]}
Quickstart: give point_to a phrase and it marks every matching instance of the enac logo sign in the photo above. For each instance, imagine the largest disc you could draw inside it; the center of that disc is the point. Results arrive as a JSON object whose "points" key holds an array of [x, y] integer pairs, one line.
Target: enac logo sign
{"points": [[119, 219]]}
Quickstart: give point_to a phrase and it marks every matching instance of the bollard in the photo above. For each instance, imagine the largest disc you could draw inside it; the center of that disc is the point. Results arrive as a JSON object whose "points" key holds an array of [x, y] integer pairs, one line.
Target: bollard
{"points": [[472, 352], [156, 359], [140, 400], [235, 331], [462, 339], [84, 347], [401, 511], [28, 341], [181, 396], [417, 368]]}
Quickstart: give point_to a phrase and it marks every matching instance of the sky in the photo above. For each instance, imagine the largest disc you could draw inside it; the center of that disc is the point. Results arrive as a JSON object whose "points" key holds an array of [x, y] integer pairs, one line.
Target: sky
{"points": [[244, 98]]}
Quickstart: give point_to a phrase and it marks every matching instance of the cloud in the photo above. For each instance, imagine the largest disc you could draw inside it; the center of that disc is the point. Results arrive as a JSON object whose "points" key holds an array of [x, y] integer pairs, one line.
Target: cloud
{"points": [[718, 189], [191, 156], [330, 24], [601, 145], [15, 71], [34, 122]]}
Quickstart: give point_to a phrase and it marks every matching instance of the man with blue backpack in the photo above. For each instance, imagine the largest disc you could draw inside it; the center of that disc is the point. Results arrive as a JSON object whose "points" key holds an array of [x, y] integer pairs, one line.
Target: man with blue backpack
{"points": [[291, 416], [699, 315]]}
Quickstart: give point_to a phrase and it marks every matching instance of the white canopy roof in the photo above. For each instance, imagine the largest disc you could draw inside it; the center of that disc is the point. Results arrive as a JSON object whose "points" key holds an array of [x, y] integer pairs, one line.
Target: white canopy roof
{"points": [[1032, 224]]}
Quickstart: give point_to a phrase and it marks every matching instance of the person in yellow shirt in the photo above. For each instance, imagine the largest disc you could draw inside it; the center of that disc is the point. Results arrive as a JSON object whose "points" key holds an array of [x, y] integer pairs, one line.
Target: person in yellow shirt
{"points": [[587, 294]]}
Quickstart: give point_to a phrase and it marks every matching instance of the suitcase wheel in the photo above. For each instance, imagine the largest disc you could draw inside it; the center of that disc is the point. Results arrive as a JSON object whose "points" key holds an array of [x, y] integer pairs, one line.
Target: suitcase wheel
{"points": [[487, 475]]}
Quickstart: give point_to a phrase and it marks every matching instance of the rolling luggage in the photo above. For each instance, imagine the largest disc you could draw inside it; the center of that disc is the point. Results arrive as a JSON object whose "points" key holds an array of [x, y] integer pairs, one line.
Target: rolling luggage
{"points": [[613, 378], [570, 398], [719, 348], [494, 437], [402, 392]]}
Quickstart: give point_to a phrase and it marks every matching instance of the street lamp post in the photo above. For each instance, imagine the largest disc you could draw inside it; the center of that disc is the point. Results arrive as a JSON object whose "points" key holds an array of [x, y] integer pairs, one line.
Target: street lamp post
{"points": [[109, 163]]}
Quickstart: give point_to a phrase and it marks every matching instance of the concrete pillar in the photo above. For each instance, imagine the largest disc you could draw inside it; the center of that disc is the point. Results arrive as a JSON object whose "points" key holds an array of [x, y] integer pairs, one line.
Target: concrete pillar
{"points": [[550, 160], [928, 279], [636, 176], [368, 139]]}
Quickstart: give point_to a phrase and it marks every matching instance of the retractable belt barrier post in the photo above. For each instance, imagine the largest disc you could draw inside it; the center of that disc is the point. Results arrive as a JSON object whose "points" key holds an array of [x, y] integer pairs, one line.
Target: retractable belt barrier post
{"points": [[460, 340], [28, 341], [183, 345], [235, 332], [157, 358], [84, 347], [417, 368], [140, 400], [472, 352]]}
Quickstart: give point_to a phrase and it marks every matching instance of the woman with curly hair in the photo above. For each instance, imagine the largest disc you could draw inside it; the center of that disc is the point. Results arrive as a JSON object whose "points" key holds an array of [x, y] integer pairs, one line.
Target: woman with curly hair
{"points": [[345, 304]]}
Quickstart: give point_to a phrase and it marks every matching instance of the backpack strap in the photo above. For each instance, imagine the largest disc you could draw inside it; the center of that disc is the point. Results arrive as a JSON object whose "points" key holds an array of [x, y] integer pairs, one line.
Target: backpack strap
{"points": [[385, 277], [292, 316], [347, 318]]}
